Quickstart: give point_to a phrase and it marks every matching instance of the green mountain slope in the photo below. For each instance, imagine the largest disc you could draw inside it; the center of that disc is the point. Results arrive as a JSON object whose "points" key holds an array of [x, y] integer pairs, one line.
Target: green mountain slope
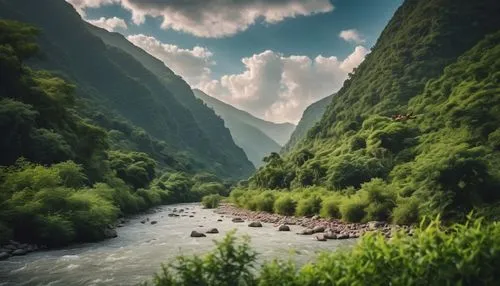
{"points": [[254, 142], [113, 79], [279, 132], [310, 117], [420, 113]]}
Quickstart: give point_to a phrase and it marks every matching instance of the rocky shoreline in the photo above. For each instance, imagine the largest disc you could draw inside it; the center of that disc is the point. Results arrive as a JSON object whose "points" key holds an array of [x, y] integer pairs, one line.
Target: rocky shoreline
{"points": [[15, 248], [322, 228]]}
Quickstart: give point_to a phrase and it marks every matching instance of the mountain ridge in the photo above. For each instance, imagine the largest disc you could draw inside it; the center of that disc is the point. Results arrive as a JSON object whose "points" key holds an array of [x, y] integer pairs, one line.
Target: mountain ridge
{"points": [[254, 141]]}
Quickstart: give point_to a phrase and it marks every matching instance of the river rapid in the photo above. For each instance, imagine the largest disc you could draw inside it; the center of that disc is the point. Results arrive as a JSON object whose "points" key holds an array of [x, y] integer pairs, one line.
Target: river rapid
{"points": [[138, 251]]}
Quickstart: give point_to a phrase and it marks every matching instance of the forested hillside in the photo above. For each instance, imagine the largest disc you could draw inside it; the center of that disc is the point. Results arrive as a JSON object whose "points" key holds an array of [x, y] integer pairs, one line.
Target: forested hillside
{"points": [[412, 132], [114, 80], [254, 141], [90, 134], [311, 116], [211, 125]]}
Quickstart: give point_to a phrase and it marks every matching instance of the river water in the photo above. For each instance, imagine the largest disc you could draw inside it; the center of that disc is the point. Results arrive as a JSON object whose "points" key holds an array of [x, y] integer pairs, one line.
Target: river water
{"points": [[138, 251]]}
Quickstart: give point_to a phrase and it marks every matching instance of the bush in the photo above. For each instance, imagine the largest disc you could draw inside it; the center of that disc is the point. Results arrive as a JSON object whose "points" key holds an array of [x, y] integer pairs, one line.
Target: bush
{"points": [[381, 199], [284, 205], [353, 209], [330, 207], [211, 201], [406, 212], [230, 264], [265, 202], [463, 254], [308, 206]]}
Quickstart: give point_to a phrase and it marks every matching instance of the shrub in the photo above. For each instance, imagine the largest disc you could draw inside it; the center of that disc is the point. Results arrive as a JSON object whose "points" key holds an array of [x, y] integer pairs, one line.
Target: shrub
{"points": [[407, 211], [230, 264], [330, 207], [264, 202], [381, 199], [284, 205], [463, 254], [353, 209], [308, 206], [236, 196], [211, 201]]}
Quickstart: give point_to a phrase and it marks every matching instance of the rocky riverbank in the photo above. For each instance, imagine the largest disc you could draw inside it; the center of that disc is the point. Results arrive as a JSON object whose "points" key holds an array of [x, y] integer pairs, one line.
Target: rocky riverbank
{"points": [[15, 248], [320, 227]]}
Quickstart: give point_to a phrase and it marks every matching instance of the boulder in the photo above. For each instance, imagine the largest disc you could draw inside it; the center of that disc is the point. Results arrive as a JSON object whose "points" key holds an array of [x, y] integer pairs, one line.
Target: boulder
{"points": [[194, 233], [376, 224], [110, 233], [19, 252], [255, 224], [353, 235], [143, 221], [307, 231], [330, 235], [154, 222], [318, 228], [4, 255], [5, 250], [213, 230], [237, 219], [283, 227], [342, 236], [191, 216], [219, 219], [320, 237]]}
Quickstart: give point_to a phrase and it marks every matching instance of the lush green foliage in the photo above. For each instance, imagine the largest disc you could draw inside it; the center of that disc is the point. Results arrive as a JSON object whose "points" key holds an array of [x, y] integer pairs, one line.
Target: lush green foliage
{"points": [[211, 201], [129, 93], [82, 176], [231, 264], [463, 254], [444, 158]]}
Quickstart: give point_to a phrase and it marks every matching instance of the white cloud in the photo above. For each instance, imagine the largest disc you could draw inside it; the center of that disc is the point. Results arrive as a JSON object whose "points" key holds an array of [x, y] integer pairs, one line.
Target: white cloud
{"points": [[279, 88], [193, 65], [110, 24], [213, 18], [80, 5], [352, 35]]}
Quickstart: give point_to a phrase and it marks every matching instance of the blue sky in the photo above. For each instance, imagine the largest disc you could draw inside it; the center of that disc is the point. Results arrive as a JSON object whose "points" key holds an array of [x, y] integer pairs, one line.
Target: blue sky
{"points": [[272, 58]]}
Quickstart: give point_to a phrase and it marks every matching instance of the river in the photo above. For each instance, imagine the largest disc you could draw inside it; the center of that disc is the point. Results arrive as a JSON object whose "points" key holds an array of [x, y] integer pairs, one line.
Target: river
{"points": [[138, 251]]}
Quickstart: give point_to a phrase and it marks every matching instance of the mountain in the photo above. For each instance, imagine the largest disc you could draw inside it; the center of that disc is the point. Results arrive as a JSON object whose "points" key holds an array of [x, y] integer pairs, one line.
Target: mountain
{"points": [[311, 116], [279, 132], [415, 128], [119, 79], [254, 142]]}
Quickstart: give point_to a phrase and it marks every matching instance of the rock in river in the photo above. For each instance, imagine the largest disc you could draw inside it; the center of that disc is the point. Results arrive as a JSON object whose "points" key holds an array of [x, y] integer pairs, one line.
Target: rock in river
{"points": [[19, 252], [154, 222], [255, 224], [213, 230], [194, 233], [237, 219], [110, 233], [307, 231], [320, 237], [283, 227], [318, 229], [4, 255]]}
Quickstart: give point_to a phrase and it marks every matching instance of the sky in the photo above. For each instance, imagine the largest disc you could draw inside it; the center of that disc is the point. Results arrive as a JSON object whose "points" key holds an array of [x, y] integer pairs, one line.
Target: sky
{"points": [[272, 58]]}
